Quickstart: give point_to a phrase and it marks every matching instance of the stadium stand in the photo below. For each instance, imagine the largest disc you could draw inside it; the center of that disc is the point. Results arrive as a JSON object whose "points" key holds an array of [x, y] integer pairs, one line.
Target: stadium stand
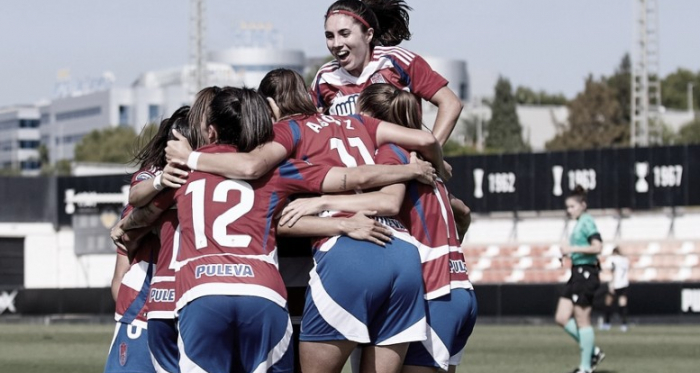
{"points": [[661, 247]]}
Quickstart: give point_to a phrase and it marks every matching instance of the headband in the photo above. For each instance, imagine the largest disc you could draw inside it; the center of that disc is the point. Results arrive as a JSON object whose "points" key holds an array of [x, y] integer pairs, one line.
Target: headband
{"points": [[351, 14]]}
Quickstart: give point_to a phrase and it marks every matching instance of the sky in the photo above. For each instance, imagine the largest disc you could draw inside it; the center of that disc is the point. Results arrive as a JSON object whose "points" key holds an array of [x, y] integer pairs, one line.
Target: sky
{"points": [[551, 45]]}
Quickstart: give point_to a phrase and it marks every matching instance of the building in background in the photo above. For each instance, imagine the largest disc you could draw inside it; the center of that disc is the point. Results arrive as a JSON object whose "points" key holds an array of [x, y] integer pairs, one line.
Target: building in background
{"points": [[81, 108], [252, 63], [20, 139]]}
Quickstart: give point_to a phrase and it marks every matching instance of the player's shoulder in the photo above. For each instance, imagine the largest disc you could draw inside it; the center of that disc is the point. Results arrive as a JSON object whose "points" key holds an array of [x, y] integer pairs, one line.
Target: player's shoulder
{"points": [[330, 67], [399, 54], [144, 173]]}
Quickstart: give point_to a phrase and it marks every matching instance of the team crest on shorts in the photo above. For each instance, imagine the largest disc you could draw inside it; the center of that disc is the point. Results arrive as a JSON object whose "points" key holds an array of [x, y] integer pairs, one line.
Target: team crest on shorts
{"points": [[122, 353]]}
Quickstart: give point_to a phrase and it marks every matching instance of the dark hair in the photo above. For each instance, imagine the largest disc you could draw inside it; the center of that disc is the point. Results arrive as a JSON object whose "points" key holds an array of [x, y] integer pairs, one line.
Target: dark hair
{"points": [[579, 194], [388, 18], [153, 153], [616, 250], [181, 123], [289, 91], [386, 102], [201, 112], [241, 117]]}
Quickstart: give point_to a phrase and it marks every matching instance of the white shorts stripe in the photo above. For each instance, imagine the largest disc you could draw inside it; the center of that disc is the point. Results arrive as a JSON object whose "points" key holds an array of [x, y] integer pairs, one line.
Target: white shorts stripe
{"points": [[187, 365], [277, 352], [335, 315], [437, 349], [413, 333]]}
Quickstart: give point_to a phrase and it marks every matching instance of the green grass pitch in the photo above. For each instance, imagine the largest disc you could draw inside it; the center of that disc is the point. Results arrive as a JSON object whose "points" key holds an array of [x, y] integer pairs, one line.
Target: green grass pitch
{"points": [[31, 348]]}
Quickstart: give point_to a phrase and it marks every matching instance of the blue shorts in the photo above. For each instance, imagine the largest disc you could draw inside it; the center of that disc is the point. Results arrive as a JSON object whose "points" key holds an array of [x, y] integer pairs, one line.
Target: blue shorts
{"points": [[451, 319], [129, 350], [365, 293], [162, 341], [222, 333]]}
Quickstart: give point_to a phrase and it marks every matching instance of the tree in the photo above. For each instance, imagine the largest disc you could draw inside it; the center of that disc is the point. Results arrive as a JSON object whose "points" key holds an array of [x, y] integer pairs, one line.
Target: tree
{"points": [[674, 89], [527, 96], [689, 133], [504, 129], [595, 120], [453, 149], [109, 145], [621, 84]]}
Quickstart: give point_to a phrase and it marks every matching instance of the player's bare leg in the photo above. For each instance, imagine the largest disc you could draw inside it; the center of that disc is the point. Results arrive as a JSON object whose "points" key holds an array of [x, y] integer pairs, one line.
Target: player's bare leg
{"points": [[324, 357], [565, 309], [383, 359], [582, 316]]}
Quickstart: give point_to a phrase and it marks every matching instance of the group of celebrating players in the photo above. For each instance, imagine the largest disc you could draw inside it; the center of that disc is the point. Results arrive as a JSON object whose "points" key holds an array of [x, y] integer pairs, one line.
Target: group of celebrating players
{"points": [[389, 284]]}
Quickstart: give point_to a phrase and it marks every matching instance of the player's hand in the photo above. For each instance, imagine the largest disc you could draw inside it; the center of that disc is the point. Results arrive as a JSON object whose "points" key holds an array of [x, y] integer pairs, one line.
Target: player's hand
{"points": [[173, 176], [300, 207], [178, 150], [446, 171], [565, 250], [425, 170], [361, 227], [116, 235]]}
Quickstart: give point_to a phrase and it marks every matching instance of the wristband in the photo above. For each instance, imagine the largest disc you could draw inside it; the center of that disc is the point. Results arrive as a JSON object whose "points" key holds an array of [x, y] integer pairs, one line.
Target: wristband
{"points": [[192, 160], [158, 182]]}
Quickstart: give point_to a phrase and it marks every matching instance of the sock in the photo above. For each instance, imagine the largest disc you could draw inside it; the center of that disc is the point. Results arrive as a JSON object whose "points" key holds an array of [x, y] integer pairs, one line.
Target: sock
{"points": [[623, 315], [587, 344], [571, 329]]}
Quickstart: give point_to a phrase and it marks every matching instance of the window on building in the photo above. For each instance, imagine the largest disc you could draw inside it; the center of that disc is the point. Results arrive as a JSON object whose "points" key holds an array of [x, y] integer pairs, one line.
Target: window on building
{"points": [[45, 119], [123, 115], [28, 123], [9, 124], [463, 91], [153, 113], [28, 144], [75, 114], [31, 164]]}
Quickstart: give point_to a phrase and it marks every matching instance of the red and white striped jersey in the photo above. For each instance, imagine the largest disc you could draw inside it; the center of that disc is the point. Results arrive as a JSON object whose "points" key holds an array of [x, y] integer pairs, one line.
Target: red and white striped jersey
{"points": [[131, 301], [228, 227], [336, 91], [427, 214], [161, 299], [338, 141]]}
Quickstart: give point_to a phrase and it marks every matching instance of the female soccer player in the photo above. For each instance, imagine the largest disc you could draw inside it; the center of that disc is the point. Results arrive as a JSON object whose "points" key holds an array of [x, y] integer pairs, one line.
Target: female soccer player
{"points": [[426, 213], [160, 302], [574, 307], [363, 37], [617, 289], [162, 330]]}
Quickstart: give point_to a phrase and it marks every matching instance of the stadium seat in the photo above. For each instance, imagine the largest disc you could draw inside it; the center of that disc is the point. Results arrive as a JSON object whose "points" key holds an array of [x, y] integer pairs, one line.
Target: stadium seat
{"points": [[685, 227]]}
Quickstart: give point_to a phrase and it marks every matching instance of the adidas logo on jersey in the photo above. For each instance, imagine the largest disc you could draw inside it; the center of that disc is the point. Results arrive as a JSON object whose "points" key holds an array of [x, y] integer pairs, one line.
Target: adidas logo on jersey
{"points": [[226, 270]]}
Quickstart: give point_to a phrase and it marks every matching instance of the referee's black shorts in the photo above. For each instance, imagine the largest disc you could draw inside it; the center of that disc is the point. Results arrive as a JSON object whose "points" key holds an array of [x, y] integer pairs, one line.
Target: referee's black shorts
{"points": [[582, 285]]}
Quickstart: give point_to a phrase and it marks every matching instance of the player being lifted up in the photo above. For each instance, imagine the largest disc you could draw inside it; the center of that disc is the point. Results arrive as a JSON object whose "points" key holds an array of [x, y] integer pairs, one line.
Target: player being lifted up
{"points": [[363, 36]]}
